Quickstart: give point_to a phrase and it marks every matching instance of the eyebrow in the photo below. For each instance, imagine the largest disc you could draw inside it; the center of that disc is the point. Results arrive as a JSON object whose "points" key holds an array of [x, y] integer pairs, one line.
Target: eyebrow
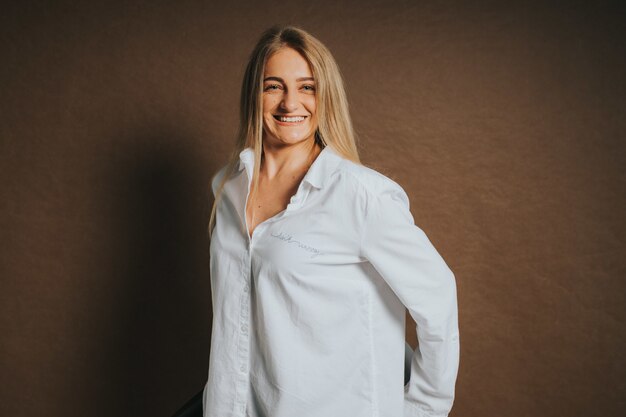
{"points": [[282, 81]]}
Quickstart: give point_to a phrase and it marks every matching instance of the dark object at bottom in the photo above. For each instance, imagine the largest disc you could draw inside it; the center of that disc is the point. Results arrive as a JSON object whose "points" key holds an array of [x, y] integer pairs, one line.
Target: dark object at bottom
{"points": [[193, 408]]}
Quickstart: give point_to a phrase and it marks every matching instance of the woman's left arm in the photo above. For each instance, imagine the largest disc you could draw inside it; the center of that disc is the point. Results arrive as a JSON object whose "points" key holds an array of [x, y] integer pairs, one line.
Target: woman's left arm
{"points": [[414, 270]]}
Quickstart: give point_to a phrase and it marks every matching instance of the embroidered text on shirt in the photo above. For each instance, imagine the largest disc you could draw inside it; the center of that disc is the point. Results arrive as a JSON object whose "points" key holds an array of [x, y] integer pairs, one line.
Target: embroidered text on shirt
{"points": [[289, 239]]}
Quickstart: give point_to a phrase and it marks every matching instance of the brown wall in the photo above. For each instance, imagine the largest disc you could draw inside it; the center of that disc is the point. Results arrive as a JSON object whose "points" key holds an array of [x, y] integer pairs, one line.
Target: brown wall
{"points": [[503, 121]]}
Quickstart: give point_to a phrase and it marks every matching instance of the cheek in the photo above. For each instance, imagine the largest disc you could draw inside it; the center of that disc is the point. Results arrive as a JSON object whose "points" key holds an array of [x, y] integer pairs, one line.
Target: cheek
{"points": [[311, 105], [268, 104]]}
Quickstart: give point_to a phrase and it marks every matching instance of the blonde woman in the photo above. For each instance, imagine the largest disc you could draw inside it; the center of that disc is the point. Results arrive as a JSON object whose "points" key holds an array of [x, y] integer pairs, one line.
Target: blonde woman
{"points": [[314, 259]]}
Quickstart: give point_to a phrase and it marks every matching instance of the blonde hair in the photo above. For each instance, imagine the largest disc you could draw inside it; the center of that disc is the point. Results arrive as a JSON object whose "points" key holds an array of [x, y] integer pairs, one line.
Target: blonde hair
{"points": [[334, 122]]}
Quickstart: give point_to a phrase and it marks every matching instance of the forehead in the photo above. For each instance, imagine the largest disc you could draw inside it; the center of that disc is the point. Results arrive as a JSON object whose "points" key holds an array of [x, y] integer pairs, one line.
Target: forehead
{"points": [[287, 63]]}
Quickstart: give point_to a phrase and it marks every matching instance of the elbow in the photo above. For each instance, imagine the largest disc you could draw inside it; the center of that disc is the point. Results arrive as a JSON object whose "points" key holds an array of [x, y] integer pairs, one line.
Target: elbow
{"points": [[448, 287], [445, 321]]}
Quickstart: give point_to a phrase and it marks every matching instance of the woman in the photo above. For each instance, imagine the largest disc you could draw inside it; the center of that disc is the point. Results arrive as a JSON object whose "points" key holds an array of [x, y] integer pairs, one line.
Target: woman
{"points": [[314, 258]]}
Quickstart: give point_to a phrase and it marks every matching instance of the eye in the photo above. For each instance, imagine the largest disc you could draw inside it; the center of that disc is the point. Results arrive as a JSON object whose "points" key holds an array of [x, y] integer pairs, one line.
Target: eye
{"points": [[308, 87], [272, 87]]}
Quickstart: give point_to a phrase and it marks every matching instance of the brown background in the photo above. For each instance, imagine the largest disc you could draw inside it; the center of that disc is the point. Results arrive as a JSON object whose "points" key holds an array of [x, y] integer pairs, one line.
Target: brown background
{"points": [[503, 121]]}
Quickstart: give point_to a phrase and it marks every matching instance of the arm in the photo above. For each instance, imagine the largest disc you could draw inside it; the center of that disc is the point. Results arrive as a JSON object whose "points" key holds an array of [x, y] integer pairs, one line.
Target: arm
{"points": [[417, 274]]}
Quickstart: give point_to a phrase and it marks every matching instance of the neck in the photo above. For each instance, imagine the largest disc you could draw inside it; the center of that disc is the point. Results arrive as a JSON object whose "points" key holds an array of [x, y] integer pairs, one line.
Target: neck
{"points": [[288, 160]]}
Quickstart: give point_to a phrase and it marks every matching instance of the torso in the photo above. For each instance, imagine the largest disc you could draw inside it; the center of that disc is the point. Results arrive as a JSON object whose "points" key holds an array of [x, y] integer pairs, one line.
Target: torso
{"points": [[272, 198], [274, 195]]}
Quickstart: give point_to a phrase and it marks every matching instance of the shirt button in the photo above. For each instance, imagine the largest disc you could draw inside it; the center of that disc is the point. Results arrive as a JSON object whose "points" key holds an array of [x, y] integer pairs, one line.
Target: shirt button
{"points": [[243, 368], [246, 288], [244, 328]]}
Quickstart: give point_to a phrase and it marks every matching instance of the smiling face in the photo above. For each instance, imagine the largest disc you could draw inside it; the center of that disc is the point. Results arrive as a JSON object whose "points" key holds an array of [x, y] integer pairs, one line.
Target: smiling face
{"points": [[289, 101]]}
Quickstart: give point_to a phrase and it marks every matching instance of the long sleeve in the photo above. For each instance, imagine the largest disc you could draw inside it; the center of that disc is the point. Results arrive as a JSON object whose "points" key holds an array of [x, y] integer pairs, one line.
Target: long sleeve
{"points": [[405, 258]]}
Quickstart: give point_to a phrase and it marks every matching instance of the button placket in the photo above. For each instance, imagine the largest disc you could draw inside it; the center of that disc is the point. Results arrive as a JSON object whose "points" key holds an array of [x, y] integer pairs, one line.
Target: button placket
{"points": [[243, 353], [244, 317]]}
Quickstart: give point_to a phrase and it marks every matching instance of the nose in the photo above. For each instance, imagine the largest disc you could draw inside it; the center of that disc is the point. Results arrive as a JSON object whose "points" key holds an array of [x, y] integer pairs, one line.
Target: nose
{"points": [[289, 102]]}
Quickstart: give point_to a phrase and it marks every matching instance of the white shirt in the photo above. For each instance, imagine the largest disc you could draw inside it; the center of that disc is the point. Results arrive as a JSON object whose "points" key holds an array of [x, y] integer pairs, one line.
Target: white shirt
{"points": [[309, 314]]}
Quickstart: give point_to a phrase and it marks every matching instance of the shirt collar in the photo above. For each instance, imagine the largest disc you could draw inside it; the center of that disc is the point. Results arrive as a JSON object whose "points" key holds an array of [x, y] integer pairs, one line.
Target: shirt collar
{"points": [[321, 169]]}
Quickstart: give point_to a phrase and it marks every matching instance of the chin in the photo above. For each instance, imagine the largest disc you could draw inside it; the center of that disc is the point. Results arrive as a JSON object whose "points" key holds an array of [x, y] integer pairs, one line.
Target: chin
{"points": [[292, 138]]}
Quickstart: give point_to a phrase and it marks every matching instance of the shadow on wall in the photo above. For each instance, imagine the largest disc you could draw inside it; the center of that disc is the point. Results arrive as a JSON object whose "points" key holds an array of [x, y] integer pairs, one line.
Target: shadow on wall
{"points": [[156, 268]]}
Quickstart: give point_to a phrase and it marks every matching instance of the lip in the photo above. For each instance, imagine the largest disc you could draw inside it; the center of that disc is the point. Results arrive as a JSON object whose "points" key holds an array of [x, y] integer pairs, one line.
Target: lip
{"points": [[288, 123]]}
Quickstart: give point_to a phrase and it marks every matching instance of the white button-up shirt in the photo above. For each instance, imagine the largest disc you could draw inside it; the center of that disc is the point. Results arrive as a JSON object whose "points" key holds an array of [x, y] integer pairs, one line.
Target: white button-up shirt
{"points": [[309, 313]]}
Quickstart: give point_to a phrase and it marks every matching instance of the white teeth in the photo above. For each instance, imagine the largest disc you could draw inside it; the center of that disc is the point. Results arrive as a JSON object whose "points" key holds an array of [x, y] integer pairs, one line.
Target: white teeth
{"points": [[291, 119]]}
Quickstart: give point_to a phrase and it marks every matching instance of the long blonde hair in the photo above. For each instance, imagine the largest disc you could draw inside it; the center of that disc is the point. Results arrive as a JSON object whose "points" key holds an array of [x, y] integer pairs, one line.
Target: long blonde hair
{"points": [[334, 122]]}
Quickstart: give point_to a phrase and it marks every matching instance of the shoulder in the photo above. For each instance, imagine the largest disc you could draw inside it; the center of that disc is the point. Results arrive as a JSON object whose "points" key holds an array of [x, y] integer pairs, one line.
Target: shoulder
{"points": [[217, 178], [370, 182]]}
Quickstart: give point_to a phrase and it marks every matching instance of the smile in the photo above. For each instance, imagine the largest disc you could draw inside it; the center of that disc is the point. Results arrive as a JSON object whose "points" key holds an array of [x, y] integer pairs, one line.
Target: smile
{"points": [[294, 119]]}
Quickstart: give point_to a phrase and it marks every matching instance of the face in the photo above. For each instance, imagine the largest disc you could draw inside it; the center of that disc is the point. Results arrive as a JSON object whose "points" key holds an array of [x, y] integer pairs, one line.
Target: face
{"points": [[288, 99]]}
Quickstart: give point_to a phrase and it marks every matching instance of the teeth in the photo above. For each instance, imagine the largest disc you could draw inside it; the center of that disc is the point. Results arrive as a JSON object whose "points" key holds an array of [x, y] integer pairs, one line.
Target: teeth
{"points": [[291, 119]]}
